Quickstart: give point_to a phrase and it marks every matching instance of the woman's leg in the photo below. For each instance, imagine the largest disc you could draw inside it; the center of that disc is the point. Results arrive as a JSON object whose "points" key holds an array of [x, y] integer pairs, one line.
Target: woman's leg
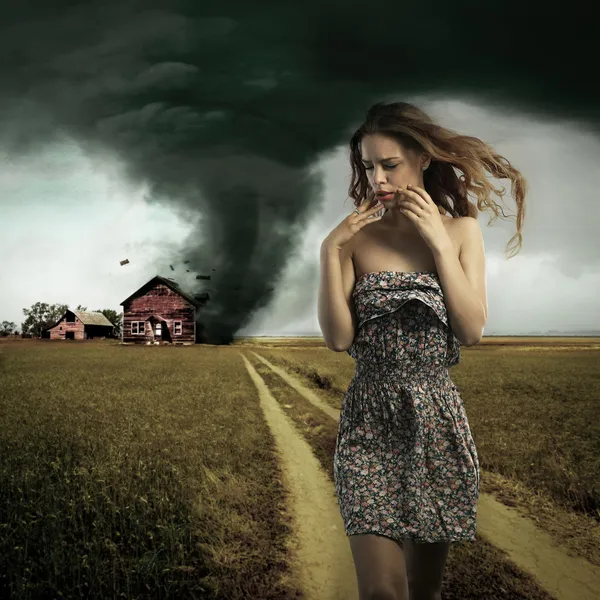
{"points": [[425, 565], [380, 568]]}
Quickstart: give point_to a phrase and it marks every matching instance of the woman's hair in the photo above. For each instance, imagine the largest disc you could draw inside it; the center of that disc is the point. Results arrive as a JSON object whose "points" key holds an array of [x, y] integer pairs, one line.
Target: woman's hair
{"points": [[450, 152]]}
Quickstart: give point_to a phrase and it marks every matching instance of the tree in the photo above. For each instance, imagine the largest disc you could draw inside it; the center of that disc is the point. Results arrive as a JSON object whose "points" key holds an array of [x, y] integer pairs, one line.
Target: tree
{"points": [[7, 328], [41, 316]]}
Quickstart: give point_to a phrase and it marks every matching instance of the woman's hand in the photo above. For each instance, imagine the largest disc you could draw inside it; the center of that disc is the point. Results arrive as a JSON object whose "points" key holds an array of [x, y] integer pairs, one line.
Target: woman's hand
{"points": [[419, 208], [354, 222]]}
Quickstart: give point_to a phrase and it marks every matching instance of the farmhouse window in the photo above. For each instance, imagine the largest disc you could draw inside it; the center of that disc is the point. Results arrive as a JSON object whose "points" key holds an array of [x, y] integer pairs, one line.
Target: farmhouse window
{"points": [[158, 329], [177, 328], [137, 327]]}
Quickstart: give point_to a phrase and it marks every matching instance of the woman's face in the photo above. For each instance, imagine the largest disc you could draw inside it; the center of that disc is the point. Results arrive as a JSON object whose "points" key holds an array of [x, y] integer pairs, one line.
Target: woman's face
{"points": [[388, 165]]}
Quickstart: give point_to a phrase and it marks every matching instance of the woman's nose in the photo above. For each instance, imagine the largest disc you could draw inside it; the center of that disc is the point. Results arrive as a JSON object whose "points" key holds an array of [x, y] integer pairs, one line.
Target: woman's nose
{"points": [[379, 179]]}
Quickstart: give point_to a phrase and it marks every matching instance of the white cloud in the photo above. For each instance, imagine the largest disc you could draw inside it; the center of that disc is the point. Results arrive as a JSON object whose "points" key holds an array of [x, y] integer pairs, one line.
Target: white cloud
{"points": [[71, 222], [69, 219]]}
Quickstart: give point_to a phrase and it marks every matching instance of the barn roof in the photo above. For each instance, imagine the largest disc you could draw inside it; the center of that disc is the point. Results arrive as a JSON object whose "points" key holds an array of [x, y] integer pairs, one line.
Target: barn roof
{"points": [[92, 318], [173, 285]]}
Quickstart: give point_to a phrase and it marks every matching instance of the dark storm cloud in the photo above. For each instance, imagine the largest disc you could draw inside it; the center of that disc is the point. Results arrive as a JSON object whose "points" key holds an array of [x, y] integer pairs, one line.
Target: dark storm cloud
{"points": [[221, 107]]}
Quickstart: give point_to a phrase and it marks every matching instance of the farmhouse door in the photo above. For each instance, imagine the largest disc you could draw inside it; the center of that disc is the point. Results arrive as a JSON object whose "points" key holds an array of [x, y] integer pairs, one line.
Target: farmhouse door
{"points": [[166, 334]]}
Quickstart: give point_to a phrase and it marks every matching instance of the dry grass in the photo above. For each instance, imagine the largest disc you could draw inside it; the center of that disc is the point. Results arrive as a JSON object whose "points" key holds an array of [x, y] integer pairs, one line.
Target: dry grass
{"points": [[149, 471], [136, 472]]}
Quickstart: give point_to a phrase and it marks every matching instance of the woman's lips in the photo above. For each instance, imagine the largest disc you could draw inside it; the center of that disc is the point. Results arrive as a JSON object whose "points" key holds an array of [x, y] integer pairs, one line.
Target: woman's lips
{"points": [[385, 196]]}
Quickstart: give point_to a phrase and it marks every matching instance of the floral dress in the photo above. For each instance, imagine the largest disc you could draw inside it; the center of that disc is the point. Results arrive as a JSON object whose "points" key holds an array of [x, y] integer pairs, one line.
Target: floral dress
{"points": [[405, 463]]}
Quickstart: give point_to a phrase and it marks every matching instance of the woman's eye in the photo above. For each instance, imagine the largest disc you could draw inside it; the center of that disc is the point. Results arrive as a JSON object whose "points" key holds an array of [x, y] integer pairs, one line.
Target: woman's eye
{"points": [[384, 166]]}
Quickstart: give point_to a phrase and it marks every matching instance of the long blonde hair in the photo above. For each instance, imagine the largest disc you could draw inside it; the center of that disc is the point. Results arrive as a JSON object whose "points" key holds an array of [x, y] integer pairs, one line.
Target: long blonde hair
{"points": [[449, 152]]}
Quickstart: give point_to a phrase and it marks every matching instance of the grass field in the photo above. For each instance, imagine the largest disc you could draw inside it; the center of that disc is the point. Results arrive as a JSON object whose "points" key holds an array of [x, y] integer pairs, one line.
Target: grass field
{"points": [[138, 472]]}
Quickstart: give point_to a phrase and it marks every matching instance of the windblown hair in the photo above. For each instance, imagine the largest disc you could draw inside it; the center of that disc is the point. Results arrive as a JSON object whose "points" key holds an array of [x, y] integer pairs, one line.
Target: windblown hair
{"points": [[450, 152]]}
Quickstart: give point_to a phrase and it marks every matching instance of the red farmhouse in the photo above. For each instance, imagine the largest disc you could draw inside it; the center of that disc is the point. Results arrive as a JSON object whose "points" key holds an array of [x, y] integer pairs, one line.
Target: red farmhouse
{"points": [[160, 311], [79, 325]]}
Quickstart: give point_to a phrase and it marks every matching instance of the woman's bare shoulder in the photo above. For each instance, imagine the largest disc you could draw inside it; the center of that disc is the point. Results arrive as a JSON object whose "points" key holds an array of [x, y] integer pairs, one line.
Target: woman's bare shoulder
{"points": [[455, 230]]}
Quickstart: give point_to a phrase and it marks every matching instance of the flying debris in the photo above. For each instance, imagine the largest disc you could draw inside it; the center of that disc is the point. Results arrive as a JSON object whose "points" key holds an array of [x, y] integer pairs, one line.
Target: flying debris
{"points": [[172, 269], [124, 262], [207, 277], [186, 262]]}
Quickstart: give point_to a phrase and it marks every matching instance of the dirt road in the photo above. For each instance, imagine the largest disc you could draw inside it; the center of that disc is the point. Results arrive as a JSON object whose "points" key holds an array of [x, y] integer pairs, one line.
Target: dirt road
{"points": [[324, 560], [325, 566]]}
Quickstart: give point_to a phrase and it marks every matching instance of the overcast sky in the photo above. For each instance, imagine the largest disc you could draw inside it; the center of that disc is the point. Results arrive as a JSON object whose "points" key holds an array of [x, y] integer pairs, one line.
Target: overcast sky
{"points": [[68, 219]]}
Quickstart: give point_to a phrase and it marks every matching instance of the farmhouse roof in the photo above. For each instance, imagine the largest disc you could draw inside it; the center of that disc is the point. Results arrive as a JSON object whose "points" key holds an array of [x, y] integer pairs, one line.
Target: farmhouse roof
{"points": [[173, 285]]}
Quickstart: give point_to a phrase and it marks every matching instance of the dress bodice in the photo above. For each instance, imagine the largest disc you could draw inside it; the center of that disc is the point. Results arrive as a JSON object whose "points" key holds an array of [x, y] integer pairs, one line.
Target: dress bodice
{"points": [[402, 318]]}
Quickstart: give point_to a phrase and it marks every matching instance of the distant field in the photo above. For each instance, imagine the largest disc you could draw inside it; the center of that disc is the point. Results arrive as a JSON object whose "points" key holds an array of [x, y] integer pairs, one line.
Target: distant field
{"points": [[547, 342], [132, 470]]}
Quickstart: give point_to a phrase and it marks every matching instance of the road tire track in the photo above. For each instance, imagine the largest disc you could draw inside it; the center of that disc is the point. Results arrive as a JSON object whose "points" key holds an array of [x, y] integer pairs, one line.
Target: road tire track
{"points": [[324, 559]]}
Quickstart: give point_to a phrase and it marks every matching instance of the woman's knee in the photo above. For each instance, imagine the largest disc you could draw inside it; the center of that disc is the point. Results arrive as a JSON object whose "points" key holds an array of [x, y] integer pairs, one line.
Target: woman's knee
{"points": [[380, 568], [381, 591]]}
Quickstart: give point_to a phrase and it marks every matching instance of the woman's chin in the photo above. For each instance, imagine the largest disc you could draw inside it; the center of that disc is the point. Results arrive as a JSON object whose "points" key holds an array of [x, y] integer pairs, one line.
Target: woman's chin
{"points": [[391, 203]]}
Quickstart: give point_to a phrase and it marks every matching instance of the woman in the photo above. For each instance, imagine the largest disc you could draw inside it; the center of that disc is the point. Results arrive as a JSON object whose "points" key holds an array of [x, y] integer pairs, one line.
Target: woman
{"points": [[400, 296]]}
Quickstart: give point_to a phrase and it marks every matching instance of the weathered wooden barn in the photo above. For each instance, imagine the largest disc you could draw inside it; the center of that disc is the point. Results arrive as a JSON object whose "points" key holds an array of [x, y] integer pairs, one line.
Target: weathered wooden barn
{"points": [[79, 325], [161, 312]]}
